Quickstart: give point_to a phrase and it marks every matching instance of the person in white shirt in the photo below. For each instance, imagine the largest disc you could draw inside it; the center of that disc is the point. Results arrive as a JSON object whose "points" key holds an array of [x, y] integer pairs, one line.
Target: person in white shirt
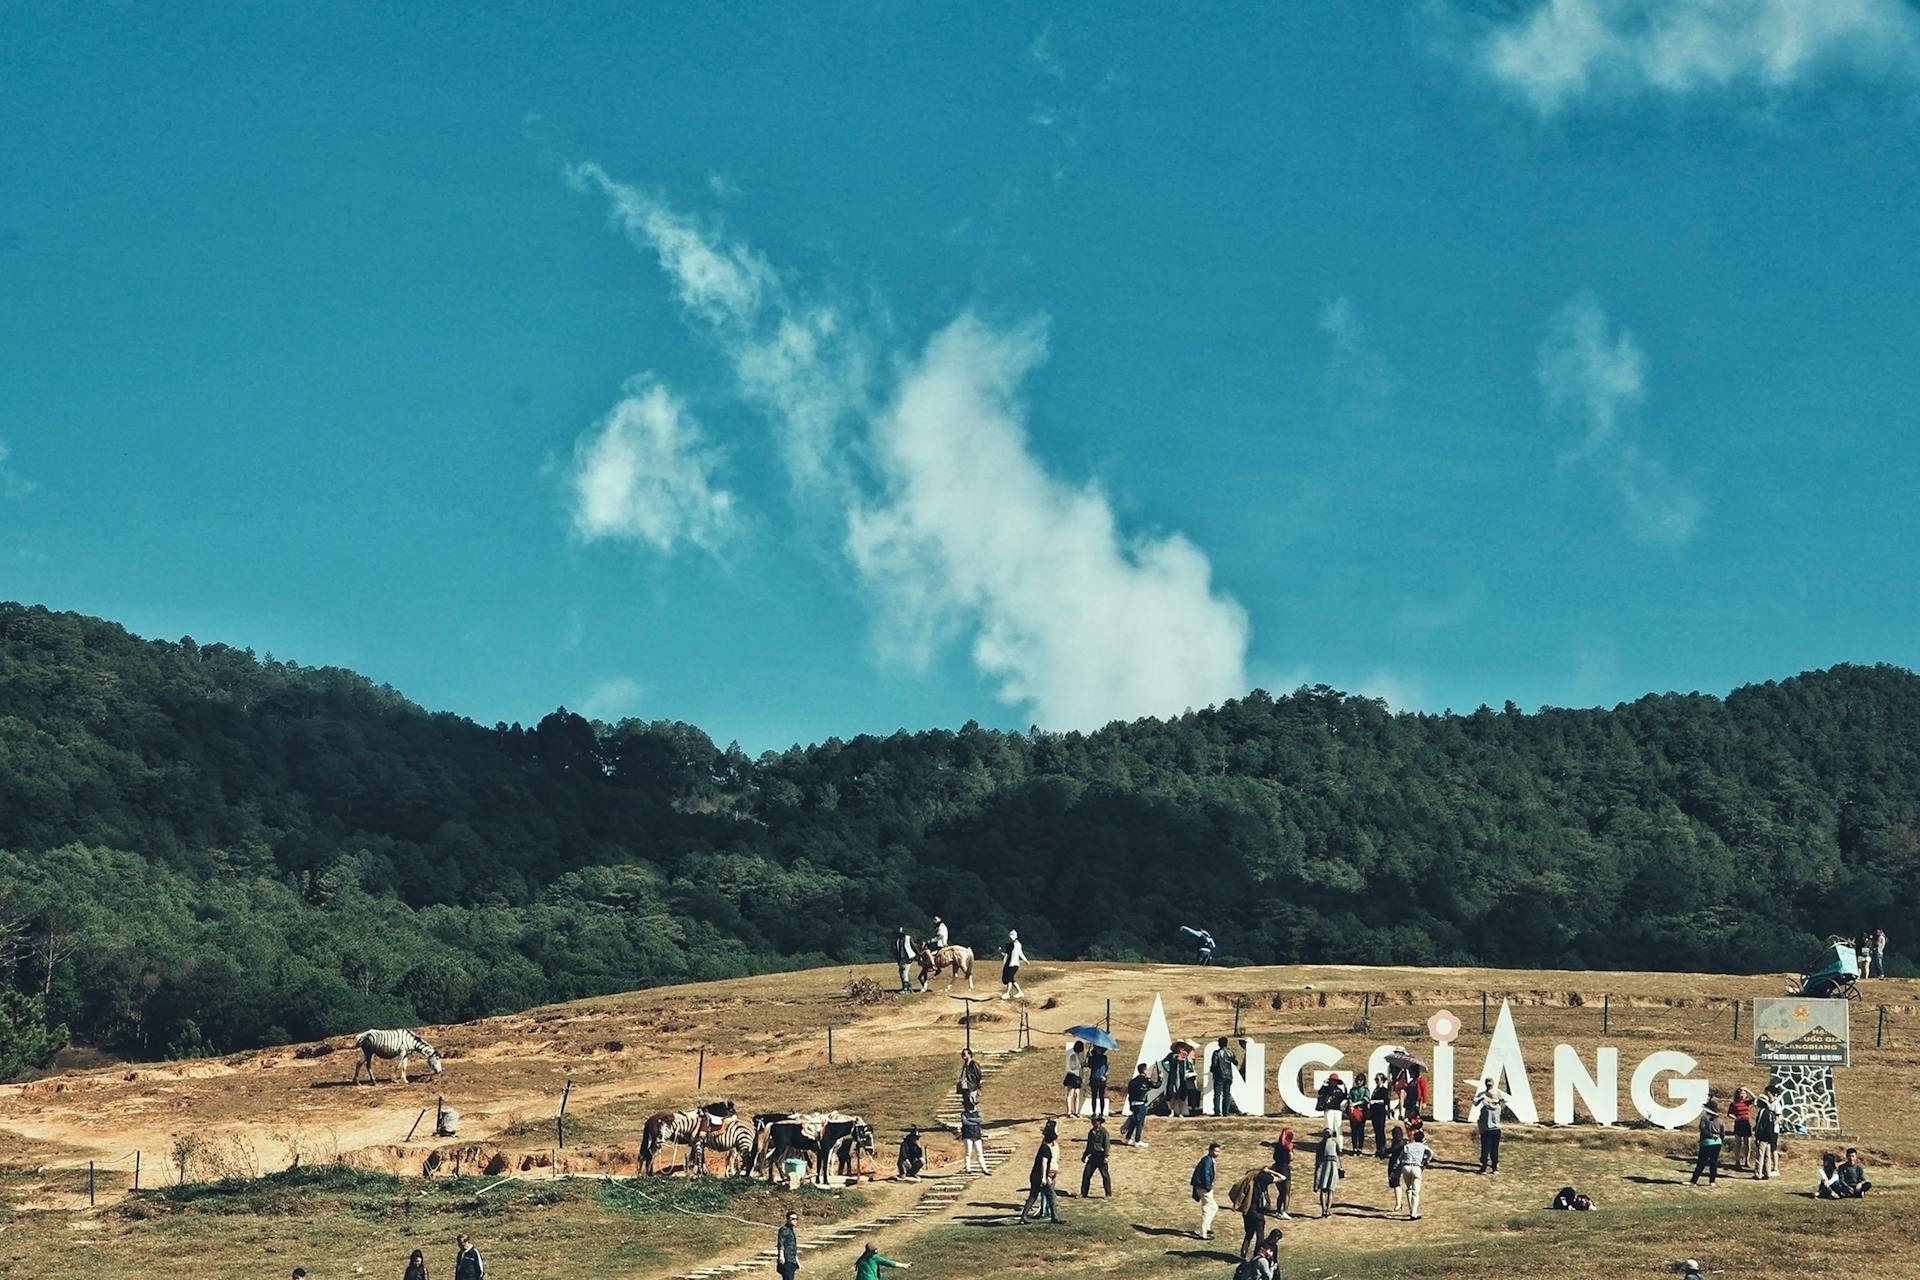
{"points": [[939, 933], [1416, 1156], [1010, 967], [1489, 1101], [1076, 1072]]}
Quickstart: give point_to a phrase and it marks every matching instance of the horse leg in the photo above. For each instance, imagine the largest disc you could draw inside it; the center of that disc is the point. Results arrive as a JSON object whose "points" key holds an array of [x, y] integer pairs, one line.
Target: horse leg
{"points": [[400, 1067]]}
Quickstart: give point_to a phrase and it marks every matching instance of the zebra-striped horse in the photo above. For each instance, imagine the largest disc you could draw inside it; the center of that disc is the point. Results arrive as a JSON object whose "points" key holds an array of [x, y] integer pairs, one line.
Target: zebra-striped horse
{"points": [[389, 1045], [736, 1139], [690, 1128]]}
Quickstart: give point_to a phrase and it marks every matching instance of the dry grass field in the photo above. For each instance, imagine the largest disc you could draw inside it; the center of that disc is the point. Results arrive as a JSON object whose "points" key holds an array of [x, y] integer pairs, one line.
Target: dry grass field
{"points": [[357, 1203]]}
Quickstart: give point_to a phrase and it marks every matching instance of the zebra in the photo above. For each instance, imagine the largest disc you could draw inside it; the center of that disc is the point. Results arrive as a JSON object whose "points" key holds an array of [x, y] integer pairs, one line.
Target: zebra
{"points": [[391, 1044], [736, 1140], [692, 1127]]}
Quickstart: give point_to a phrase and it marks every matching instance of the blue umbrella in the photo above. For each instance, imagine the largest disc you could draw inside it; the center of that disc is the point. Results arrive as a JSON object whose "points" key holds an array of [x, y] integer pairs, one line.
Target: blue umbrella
{"points": [[1093, 1036]]}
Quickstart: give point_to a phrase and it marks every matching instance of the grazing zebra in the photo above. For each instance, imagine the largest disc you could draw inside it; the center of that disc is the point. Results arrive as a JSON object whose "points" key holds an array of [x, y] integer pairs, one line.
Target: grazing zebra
{"points": [[391, 1044], [691, 1127], [736, 1139]]}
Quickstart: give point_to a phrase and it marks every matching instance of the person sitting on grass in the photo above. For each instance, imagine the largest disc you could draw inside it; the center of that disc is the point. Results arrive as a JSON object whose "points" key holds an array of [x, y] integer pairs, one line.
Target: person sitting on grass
{"points": [[1853, 1176], [1828, 1187], [913, 1158]]}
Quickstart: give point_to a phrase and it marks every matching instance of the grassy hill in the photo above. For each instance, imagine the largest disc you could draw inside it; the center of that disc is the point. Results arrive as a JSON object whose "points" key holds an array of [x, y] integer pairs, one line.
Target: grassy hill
{"points": [[202, 850]]}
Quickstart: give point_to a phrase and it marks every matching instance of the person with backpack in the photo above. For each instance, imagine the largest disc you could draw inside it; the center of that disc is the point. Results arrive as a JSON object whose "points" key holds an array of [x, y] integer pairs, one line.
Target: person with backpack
{"points": [[1253, 1197], [1137, 1090], [1261, 1265], [1712, 1135], [1220, 1069], [1094, 1159], [1414, 1159], [1040, 1179], [1489, 1102], [1202, 1186]]}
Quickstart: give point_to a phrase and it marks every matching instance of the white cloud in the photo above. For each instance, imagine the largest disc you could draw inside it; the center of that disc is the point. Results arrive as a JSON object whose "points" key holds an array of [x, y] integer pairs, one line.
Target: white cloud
{"points": [[952, 523], [644, 473], [1593, 379], [612, 700], [1564, 51], [13, 485], [1070, 615], [1357, 370], [1399, 691]]}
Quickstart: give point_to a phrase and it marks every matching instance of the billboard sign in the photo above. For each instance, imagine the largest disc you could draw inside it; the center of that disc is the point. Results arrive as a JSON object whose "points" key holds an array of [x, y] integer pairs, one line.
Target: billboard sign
{"points": [[1794, 1032]]}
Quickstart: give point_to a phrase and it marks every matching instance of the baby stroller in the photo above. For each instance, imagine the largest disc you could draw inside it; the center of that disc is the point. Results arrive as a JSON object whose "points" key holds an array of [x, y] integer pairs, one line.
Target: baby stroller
{"points": [[1833, 978]]}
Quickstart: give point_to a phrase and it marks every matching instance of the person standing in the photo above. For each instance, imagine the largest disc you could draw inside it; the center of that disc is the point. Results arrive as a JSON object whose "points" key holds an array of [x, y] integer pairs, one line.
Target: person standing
{"points": [[939, 933], [971, 1129], [1137, 1090], [903, 955], [1094, 1159], [1220, 1069], [466, 1260], [1176, 1071], [1283, 1169], [1202, 1185], [1331, 1100], [1712, 1135], [1040, 1179], [1879, 969], [416, 1266], [786, 1247], [1396, 1153], [1326, 1167], [1076, 1072], [1377, 1109], [867, 1265], [1253, 1219], [970, 1077], [1010, 967], [1740, 1111], [1766, 1136], [1415, 1158], [1489, 1101], [1097, 1067], [1359, 1098]]}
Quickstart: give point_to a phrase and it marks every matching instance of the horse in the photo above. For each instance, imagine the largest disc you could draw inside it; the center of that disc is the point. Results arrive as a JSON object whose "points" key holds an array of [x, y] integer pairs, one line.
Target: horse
{"points": [[955, 959], [692, 1127], [791, 1134]]}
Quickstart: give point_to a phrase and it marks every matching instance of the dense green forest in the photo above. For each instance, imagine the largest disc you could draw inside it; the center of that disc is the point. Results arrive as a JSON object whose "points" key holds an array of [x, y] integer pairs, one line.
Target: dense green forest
{"points": [[203, 850]]}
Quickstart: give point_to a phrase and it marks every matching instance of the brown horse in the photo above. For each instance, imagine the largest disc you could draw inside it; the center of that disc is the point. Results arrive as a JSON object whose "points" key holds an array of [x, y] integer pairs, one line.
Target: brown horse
{"points": [[954, 960]]}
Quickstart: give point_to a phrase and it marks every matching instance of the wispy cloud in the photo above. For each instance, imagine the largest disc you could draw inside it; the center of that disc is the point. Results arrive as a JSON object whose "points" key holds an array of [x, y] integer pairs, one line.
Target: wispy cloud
{"points": [[950, 522], [1357, 370], [1563, 52], [1041, 54], [645, 473], [1594, 378], [13, 485], [1068, 613], [612, 700], [1401, 692]]}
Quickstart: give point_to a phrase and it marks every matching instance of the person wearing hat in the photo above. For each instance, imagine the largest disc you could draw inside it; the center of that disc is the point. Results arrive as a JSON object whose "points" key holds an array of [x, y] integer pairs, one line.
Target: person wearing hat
{"points": [[1041, 1179], [1712, 1135], [1331, 1100], [903, 954], [939, 933], [1010, 967]]}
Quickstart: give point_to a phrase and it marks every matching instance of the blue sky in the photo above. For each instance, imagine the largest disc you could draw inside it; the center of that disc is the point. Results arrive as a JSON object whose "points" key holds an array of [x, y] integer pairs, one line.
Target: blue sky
{"points": [[803, 371]]}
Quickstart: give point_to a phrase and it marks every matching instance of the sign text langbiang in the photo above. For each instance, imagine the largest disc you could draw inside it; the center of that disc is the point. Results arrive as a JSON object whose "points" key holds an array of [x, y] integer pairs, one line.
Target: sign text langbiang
{"points": [[1663, 1089]]}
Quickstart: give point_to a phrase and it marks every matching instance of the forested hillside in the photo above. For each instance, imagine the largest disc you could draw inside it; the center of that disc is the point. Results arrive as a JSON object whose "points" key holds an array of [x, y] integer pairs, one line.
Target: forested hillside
{"points": [[199, 849]]}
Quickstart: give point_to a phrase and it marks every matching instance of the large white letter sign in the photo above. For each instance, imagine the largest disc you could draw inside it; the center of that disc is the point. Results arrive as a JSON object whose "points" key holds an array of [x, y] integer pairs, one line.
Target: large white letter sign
{"points": [[1154, 1045], [1506, 1068], [1298, 1059], [1441, 1103], [1600, 1091], [1690, 1096]]}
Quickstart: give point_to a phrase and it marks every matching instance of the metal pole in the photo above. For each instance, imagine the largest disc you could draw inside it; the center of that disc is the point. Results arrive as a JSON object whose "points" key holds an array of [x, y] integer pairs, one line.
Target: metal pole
{"points": [[136, 1171], [1109, 1013], [1606, 1013], [1483, 1013], [1880, 1030], [829, 1044], [89, 1183], [967, 1018], [416, 1123], [439, 1111], [700, 1076], [560, 1120], [1736, 1019]]}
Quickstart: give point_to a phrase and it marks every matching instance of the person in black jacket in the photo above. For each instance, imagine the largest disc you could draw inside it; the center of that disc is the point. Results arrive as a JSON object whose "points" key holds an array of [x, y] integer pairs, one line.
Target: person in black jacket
{"points": [[912, 1158], [466, 1261], [1095, 1158], [416, 1266], [786, 1247], [1137, 1090]]}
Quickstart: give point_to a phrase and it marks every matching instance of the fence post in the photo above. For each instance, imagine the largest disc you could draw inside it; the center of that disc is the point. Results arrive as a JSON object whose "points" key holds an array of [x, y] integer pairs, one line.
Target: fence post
{"points": [[416, 1125], [700, 1075], [89, 1184], [1109, 1013], [1236, 1017], [1736, 1019], [136, 1171], [829, 1044], [1606, 1013], [560, 1120], [1483, 1013], [1880, 1029]]}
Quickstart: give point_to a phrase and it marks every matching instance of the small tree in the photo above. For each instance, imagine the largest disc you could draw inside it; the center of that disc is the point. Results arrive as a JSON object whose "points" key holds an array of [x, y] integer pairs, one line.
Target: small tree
{"points": [[25, 1039]]}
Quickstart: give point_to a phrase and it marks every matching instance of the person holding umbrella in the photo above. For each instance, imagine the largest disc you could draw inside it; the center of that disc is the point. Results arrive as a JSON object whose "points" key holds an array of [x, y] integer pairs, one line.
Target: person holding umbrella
{"points": [[1086, 1060], [1097, 1068]]}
